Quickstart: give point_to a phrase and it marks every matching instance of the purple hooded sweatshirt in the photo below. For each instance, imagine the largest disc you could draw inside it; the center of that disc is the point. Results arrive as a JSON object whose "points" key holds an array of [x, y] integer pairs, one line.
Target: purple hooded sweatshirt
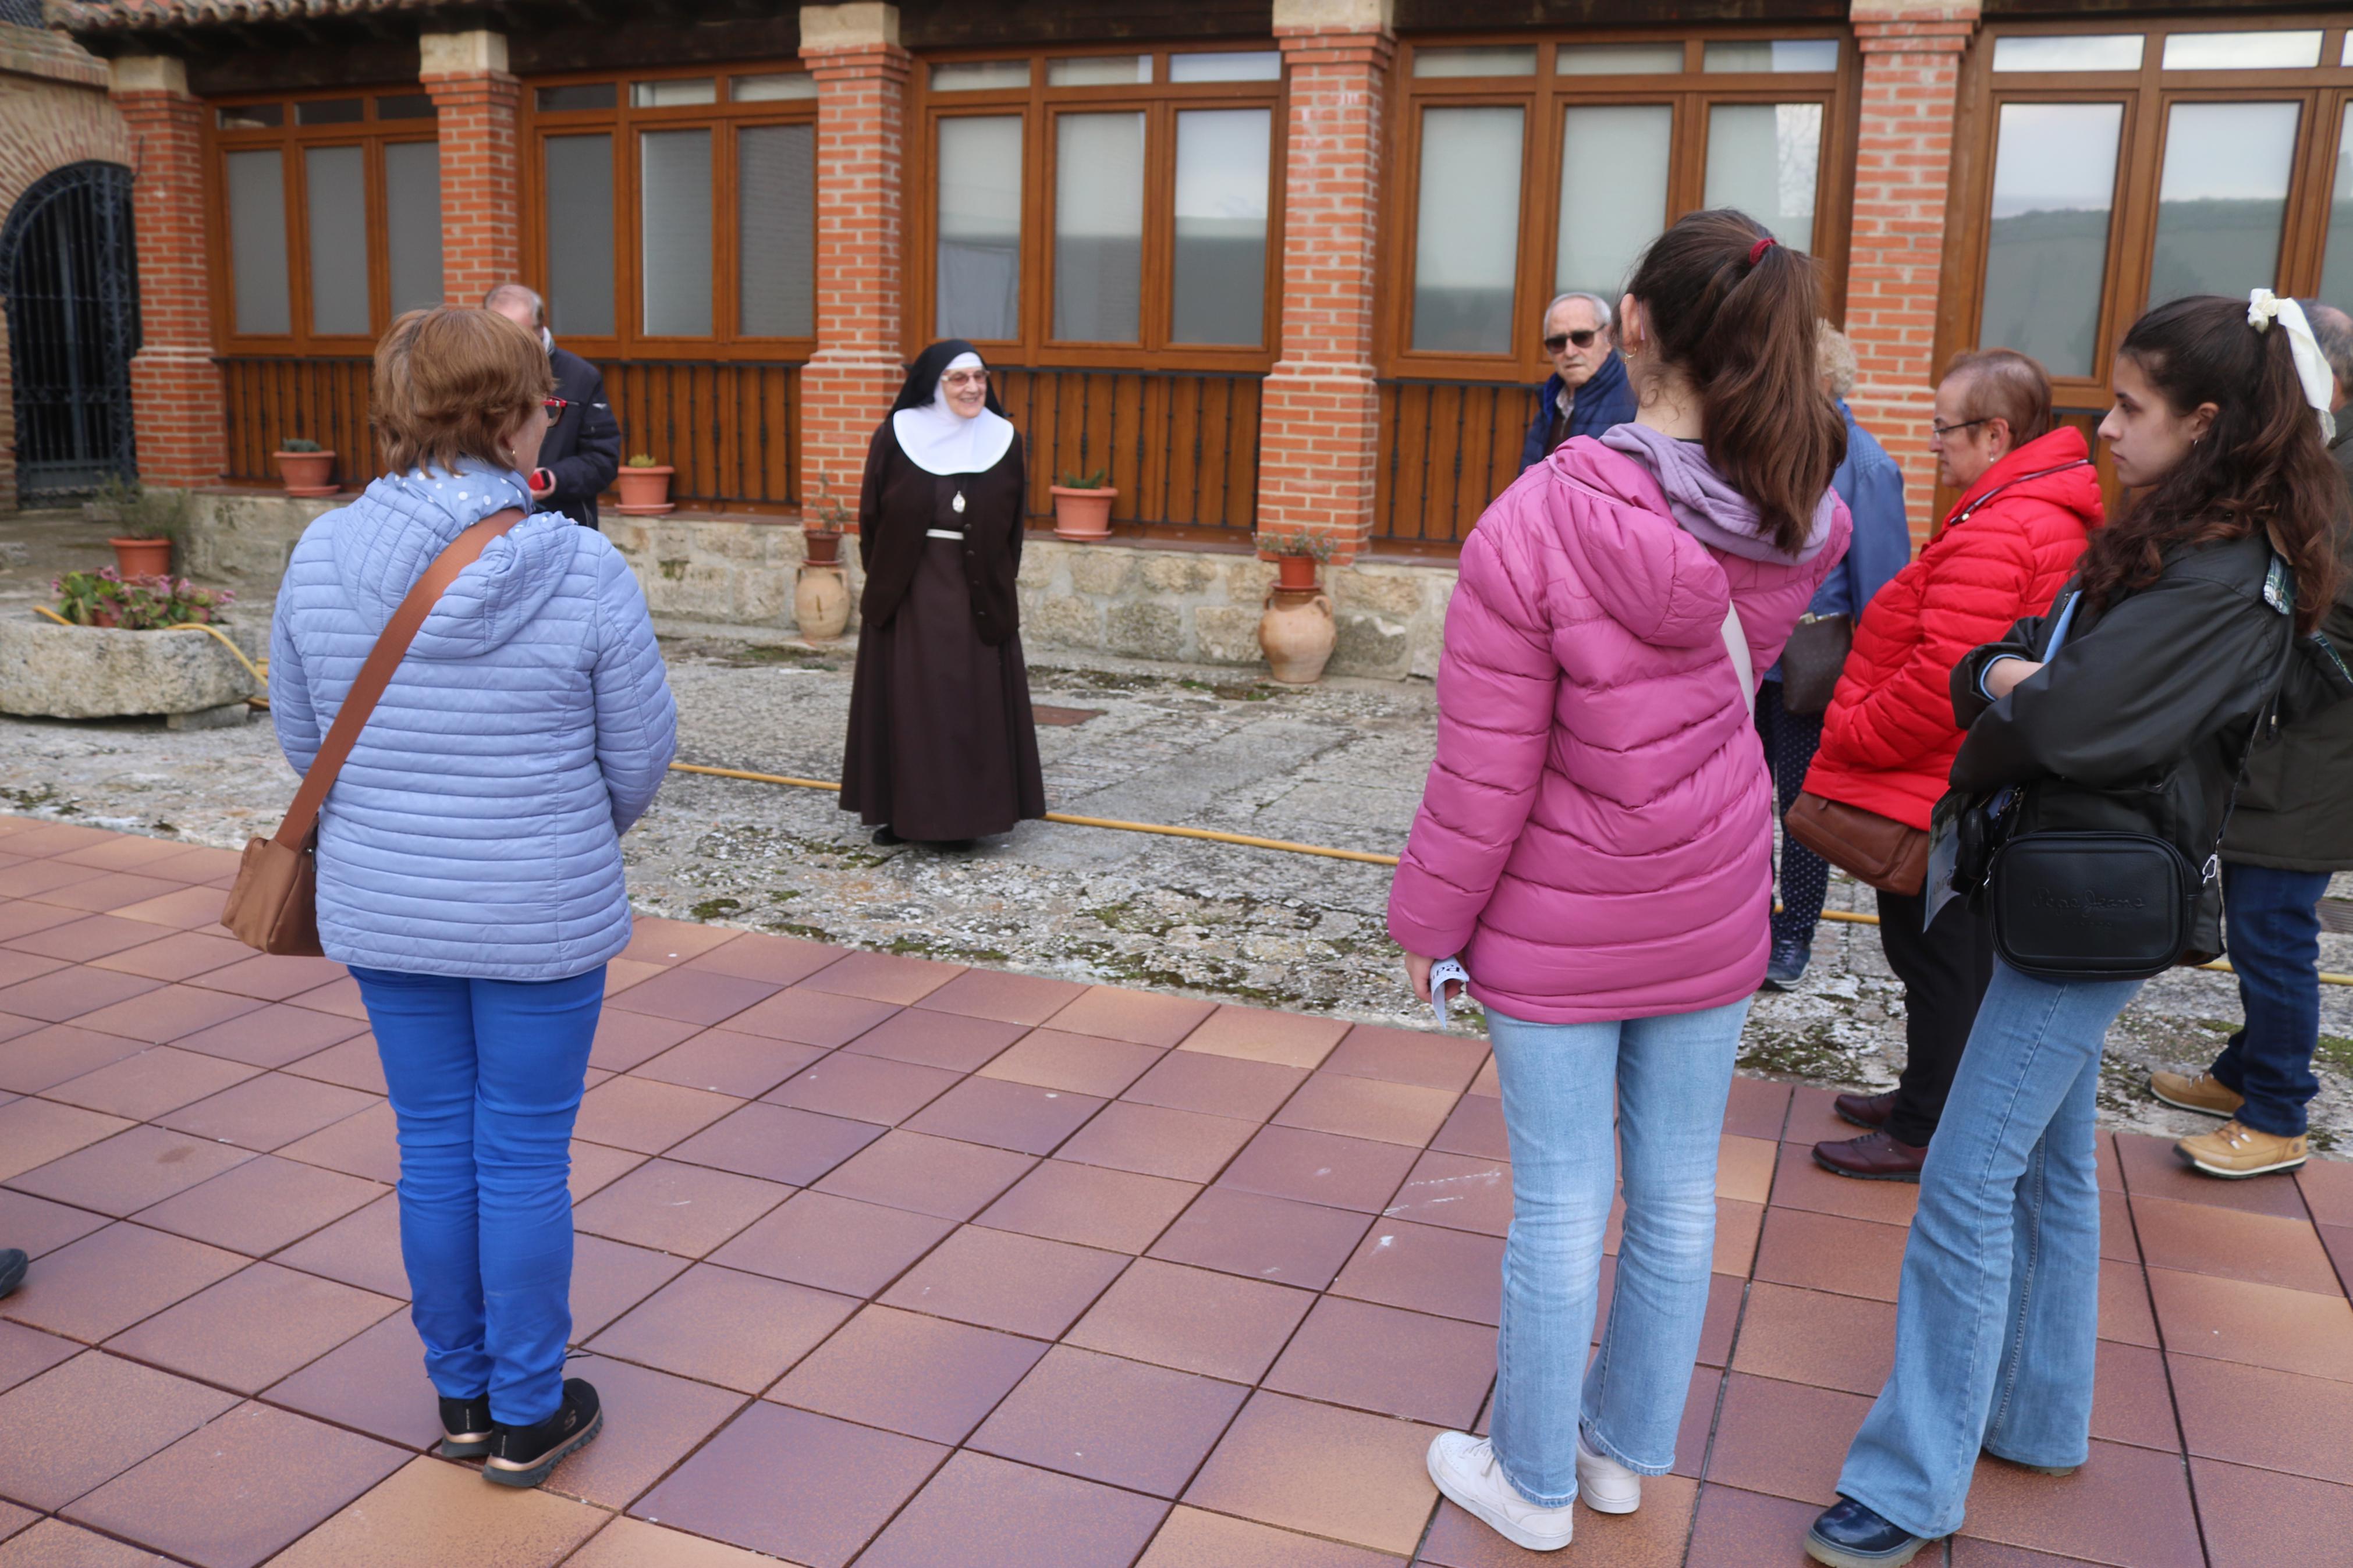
{"points": [[1595, 839]]}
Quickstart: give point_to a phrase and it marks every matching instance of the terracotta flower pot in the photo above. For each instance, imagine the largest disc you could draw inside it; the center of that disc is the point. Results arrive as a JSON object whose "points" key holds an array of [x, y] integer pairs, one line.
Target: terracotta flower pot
{"points": [[143, 557], [307, 473], [822, 549], [1297, 633], [1083, 515], [645, 492], [1295, 573], [821, 602]]}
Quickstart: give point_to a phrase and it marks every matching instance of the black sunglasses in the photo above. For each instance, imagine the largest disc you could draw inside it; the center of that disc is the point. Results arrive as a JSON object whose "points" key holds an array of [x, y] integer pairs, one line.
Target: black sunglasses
{"points": [[1560, 341]]}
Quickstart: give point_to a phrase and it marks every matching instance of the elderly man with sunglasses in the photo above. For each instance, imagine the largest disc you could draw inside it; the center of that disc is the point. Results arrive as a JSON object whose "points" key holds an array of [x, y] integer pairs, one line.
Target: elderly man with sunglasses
{"points": [[583, 449], [1587, 391]]}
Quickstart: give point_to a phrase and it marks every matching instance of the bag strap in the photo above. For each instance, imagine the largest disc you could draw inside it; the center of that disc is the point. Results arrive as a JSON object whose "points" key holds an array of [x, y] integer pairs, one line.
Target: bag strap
{"points": [[376, 675], [1959, 518]]}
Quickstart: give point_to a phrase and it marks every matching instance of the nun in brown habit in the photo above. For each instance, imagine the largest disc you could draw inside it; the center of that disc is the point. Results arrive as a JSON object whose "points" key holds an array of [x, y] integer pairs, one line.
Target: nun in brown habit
{"points": [[942, 745]]}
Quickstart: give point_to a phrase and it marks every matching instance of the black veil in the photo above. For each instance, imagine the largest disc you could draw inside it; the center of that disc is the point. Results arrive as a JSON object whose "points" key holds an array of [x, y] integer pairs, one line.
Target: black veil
{"points": [[924, 376]]}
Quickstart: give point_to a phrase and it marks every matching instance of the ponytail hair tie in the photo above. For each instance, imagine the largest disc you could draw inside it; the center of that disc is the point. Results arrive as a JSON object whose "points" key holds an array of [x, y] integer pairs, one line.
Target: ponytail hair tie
{"points": [[1757, 251], [2318, 381]]}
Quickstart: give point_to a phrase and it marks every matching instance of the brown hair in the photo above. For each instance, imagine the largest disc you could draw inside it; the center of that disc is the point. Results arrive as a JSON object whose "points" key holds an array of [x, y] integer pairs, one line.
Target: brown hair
{"points": [[2004, 384], [1742, 330], [2261, 465], [451, 383]]}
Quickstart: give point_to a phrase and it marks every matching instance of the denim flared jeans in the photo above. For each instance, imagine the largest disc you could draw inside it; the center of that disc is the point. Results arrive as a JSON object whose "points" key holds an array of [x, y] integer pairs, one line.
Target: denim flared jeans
{"points": [[485, 1079], [1997, 1319], [1668, 1079]]}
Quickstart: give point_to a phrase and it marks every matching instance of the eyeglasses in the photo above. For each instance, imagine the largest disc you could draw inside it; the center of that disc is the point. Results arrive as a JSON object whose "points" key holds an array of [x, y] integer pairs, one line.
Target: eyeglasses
{"points": [[965, 378], [1940, 431], [555, 407], [1560, 341]]}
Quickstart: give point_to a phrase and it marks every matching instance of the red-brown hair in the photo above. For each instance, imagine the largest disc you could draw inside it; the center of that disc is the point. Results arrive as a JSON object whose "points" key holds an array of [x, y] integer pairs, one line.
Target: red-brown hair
{"points": [[1737, 317], [451, 383]]}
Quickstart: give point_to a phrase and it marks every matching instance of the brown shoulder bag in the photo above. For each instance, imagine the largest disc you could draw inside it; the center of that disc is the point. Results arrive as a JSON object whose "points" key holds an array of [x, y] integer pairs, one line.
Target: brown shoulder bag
{"points": [[275, 904], [1877, 850]]}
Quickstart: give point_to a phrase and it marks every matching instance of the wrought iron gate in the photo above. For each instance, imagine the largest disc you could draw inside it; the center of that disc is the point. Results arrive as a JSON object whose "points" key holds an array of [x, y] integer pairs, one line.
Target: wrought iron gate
{"points": [[67, 273]]}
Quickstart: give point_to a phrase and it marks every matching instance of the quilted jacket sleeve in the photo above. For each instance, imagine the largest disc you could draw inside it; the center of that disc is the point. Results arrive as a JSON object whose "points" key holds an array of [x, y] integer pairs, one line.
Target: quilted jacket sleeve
{"points": [[1980, 584], [291, 711], [636, 718], [1497, 683]]}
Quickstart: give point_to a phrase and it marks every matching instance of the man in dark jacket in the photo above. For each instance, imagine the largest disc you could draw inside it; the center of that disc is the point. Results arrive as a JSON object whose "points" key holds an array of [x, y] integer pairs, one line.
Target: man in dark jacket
{"points": [[583, 448], [2293, 827], [1587, 391]]}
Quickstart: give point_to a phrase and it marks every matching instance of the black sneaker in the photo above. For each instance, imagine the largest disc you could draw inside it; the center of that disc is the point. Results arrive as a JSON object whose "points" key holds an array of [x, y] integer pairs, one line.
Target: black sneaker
{"points": [[12, 1269], [523, 1456], [465, 1427], [1787, 965]]}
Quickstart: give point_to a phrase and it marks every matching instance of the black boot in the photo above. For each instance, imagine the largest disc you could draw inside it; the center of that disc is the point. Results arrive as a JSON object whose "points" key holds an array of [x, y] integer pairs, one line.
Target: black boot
{"points": [[12, 1268], [465, 1427], [523, 1456], [884, 838]]}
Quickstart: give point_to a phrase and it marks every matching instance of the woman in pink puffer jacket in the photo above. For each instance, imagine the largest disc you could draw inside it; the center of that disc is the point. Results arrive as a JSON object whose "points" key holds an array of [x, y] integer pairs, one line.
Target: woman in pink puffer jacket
{"points": [[1595, 842]]}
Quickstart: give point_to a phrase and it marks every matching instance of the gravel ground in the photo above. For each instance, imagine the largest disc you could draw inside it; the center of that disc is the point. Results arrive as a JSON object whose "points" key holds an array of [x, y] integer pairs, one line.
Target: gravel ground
{"points": [[1339, 765]]}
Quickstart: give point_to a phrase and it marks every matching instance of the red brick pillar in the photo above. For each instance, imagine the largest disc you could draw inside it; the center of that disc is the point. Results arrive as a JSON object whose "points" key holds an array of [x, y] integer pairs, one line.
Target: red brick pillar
{"points": [[175, 388], [1320, 412], [475, 98], [1910, 80], [861, 97]]}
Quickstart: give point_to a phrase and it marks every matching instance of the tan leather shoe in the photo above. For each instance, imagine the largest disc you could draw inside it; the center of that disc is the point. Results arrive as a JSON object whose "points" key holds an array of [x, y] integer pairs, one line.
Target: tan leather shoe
{"points": [[2203, 1093], [2234, 1150]]}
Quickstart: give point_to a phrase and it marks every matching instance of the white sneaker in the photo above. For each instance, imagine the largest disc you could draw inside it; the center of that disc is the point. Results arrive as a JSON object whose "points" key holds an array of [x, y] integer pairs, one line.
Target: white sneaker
{"points": [[1605, 1485], [1465, 1469]]}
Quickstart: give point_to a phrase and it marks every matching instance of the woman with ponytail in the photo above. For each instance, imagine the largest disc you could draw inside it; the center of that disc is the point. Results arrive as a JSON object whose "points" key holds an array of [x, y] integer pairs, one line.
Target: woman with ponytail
{"points": [[2131, 708], [1595, 845]]}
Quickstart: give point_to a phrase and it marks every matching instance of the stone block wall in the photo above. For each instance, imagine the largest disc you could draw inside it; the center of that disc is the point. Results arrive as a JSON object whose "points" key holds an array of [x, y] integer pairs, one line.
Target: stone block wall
{"points": [[241, 538]]}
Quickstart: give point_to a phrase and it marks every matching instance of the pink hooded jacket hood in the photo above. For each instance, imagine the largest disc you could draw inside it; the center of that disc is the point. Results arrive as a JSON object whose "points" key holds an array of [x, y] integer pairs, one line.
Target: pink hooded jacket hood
{"points": [[1595, 839]]}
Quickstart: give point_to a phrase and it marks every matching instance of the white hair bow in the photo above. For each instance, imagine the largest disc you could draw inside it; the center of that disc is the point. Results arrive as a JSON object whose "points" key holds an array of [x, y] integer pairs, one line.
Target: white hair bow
{"points": [[2263, 308]]}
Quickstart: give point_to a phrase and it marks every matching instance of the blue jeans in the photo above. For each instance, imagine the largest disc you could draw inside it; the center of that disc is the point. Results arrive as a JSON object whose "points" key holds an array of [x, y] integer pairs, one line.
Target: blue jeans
{"points": [[2274, 937], [1999, 1311], [1671, 1076], [486, 1078]]}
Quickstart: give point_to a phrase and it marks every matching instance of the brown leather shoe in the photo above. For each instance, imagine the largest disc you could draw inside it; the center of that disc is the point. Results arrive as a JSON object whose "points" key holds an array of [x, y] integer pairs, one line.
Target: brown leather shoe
{"points": [[2203, 1093], [2234, 1151], [1874, 1157], [1865, 1110]]}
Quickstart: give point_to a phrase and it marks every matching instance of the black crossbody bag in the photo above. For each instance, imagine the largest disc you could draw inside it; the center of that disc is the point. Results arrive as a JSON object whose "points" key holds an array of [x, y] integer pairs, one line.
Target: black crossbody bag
{"points": [[2088, 905]]}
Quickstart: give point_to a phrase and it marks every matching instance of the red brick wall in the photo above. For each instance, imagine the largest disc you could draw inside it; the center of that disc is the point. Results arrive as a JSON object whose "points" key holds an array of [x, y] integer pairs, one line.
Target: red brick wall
{"points": [[855, 373], [1911, 76], [175, 390], [1320, 412], [481, 201]]}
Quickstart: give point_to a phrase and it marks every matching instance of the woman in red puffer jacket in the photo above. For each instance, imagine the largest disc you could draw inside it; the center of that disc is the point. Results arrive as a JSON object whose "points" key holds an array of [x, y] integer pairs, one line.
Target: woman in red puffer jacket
{"points": [[2029, 500]]}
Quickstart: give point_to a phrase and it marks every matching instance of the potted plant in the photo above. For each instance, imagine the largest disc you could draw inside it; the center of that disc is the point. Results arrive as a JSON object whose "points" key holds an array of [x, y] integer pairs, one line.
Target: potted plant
{"points": [[1082, 506], [821, 587], [645, 487], [307, 467], [151, 522], [1297, 630]]}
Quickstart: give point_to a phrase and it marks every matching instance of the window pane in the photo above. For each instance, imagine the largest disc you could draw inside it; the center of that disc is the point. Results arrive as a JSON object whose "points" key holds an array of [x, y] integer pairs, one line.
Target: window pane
{"points": [[580, 235], [2050, 52], [2242, 51], [1221, 201], [2337, 266], [980, 226], [1098, 226], [975, 75], [330, 111], [775, 230], [1248, 64], [1618, 59], [674, 220], [250, 117], [1613, 192], [1506, 60], [2054, 179], [1099, 71], [581, 95], [1764, 158], [412, 222], [2221, 199], [770, 89], [404, 105], [1772, 55], [336, 182], [1467, 229], [257, 240], [669, 94]]}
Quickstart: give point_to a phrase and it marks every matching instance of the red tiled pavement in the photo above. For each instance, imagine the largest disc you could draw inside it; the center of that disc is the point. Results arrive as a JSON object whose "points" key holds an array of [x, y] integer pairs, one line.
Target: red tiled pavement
{"points": [[884, 1263]]}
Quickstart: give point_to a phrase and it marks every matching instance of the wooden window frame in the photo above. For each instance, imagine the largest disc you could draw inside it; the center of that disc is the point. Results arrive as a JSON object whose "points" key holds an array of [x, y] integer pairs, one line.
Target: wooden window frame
{"points": [[624, 123], [1039, 106], [2148, 95], [1544, 97], [292, 140]]}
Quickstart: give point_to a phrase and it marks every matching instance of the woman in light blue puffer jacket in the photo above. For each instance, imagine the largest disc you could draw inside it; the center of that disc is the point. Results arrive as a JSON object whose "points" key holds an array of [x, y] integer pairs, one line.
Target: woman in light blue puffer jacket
{"points": [[469, 857]]}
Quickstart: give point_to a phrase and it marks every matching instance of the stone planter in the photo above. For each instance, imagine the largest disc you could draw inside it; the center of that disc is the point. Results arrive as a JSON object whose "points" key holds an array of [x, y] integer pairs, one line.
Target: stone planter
{"points": [[821, 601], [645, 492], [1083, 515], [307, 473], [143, 557], [1298, 633], [90, 672]]}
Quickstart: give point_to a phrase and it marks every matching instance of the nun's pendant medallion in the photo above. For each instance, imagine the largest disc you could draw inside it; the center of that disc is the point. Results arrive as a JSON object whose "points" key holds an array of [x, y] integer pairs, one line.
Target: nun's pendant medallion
{"points": [[957, 504]]}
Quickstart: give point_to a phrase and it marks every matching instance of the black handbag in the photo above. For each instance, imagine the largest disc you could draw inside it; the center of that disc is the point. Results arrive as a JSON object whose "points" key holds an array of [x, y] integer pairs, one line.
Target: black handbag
{"points": [[1812, 660]]}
